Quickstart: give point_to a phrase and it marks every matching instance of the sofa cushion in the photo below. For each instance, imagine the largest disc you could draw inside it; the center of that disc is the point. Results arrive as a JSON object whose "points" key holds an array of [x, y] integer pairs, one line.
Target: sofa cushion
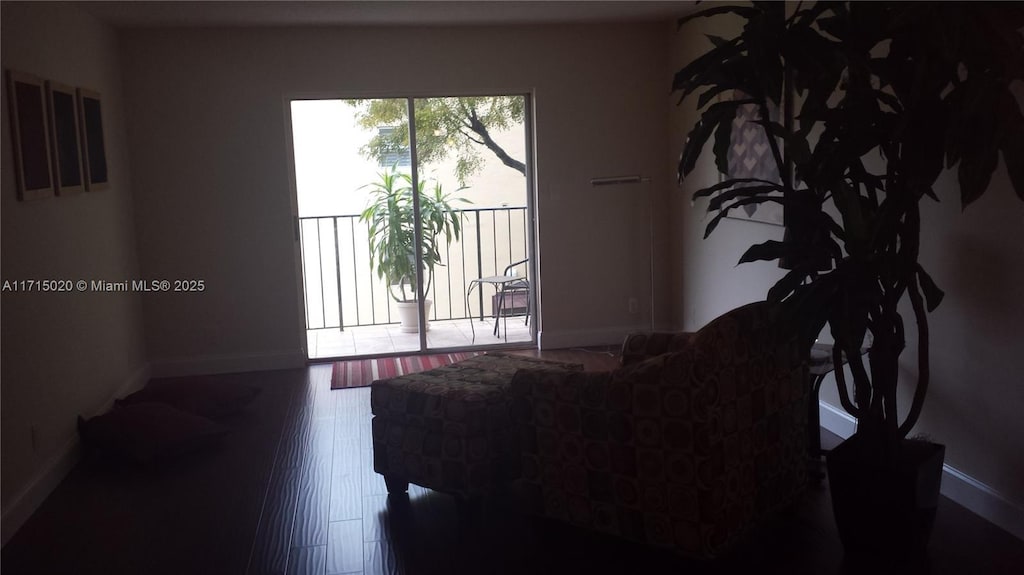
{"points": [[462, 398]]}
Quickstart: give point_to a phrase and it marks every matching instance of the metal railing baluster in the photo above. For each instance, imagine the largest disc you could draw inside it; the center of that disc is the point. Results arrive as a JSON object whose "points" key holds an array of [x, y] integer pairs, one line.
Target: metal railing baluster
{"points": [[349, 278], [462, 245], [355, 271], [508, 217], [337, 273], [448, 270], [494, 240], [373, 301], [302, 249], [479, 264], [320, 273]]}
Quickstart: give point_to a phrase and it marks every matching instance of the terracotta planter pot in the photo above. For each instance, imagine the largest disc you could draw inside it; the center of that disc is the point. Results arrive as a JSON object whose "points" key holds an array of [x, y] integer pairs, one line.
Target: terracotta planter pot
{"points": [[885, 511]]}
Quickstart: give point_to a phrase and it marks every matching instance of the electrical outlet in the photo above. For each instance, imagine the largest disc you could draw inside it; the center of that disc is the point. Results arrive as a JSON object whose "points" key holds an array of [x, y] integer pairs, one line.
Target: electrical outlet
{"points": [[632, 305]]}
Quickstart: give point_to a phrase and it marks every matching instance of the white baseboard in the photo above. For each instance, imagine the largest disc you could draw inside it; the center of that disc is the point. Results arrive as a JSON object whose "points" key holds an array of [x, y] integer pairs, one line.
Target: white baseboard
{"points": [[57, 466], [837, 421], [585, 337], [237, 363], [956, 485], [53, 471], [983, 500]]}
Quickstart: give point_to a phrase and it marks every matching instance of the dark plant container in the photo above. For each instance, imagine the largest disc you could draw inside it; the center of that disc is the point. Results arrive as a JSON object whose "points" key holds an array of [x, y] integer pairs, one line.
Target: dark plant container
{"points": [[884, 510]]}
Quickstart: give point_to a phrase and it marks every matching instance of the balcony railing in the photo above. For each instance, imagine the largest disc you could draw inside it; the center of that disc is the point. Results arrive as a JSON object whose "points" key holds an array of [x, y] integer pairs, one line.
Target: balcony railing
{"points": [[342, 290]]}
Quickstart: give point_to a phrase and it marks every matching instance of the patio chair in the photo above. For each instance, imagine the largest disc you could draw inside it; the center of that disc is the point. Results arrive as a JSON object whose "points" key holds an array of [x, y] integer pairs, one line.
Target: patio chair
{"points": [[510, 288]]}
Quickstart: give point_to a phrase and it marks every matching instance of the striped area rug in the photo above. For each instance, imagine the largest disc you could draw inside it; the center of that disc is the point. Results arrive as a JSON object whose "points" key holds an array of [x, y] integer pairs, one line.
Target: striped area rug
{"points": [[362, 372]]}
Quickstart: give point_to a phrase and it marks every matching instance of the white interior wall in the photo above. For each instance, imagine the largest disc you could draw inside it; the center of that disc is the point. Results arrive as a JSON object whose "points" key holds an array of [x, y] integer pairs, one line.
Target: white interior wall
{"points": [[64, 354], [208, 126]]}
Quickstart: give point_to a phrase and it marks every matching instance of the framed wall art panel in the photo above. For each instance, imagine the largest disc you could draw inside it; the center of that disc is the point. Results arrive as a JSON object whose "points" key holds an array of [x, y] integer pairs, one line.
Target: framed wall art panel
{"points": [[30, 134], [94, 153], [69, 177], [750, 156]]}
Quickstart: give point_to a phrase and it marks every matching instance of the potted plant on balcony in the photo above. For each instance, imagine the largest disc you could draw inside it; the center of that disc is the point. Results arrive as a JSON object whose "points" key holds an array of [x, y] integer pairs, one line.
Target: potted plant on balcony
{"points": [[392, 234], [883, 97]]}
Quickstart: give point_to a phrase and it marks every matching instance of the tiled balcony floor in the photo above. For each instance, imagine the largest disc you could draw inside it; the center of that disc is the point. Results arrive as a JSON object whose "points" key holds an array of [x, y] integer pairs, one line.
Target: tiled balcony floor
{"points": [[385, 339]]}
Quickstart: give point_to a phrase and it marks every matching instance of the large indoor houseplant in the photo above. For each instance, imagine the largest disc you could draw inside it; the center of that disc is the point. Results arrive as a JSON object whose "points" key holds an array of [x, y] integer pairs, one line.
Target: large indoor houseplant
{"points": [[391, 221], [866, 104]]}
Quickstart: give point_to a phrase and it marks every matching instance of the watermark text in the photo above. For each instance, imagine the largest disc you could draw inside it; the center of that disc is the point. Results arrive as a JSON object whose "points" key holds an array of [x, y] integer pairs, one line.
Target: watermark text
{"points": [[102, 285]]}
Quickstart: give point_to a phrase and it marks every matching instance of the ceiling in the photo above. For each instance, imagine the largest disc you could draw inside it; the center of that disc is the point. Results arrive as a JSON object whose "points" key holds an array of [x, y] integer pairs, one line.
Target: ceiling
{"points": [[369, 13]]}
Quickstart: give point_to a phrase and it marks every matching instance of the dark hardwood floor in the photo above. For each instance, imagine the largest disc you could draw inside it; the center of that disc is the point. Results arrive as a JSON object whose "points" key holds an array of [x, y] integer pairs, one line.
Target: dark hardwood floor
{"points": [[292, 491]]}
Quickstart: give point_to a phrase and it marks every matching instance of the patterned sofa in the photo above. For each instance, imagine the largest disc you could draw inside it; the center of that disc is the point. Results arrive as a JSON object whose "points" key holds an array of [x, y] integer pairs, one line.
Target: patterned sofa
{"points": [[686, 450], [449, 429]]}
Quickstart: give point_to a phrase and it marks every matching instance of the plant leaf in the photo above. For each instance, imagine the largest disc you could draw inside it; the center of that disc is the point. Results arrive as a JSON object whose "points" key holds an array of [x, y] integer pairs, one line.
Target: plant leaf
{"points": [[975, 173], [717, 41], [728, 195], [723, 141], [737, 204], [1012, 144], [710, 93], [766, 251], [932, 294], [1013, 157], [704, 69], [744, 11], [731, 183], [715, 115], [786, 285]]}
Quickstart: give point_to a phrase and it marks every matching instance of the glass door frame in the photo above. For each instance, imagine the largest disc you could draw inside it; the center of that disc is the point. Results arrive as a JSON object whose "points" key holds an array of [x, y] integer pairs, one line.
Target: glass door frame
{"points": [[531, 217]]}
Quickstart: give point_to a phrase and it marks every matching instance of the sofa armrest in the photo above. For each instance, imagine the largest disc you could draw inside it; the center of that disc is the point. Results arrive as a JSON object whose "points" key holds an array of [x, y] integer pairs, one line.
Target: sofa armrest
{"points": [[644, 345], [684, 450]]}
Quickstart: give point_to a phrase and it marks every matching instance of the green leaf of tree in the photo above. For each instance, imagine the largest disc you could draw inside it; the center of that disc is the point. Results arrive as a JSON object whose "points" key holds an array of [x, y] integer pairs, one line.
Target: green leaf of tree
{"points": [[461, 127]]}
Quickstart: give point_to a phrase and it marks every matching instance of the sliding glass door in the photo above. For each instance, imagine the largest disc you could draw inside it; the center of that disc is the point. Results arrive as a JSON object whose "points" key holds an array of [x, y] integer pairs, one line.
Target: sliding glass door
{"points": [[414, 220]]}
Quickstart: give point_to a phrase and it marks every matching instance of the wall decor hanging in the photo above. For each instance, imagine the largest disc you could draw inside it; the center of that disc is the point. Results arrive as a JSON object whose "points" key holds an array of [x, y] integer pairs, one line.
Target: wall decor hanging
{"points": [[30, 135], [94, 153], [64, 138]]}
